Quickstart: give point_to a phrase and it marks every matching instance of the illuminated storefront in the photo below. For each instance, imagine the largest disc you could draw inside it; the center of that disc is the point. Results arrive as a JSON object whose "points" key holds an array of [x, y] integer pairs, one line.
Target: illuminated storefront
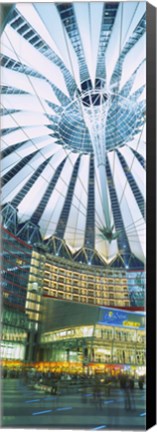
{"points": [[105, 338]]}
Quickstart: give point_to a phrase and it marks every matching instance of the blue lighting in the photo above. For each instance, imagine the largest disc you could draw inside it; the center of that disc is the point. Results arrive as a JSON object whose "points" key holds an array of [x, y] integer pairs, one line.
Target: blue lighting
{"points": [[34, 400], [42, 412], [108, 402], [64, 409]]}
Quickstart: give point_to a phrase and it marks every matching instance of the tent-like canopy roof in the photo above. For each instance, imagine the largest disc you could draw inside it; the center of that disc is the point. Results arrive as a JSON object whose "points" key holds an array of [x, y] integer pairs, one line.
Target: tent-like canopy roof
{"points": [[73, 126]]}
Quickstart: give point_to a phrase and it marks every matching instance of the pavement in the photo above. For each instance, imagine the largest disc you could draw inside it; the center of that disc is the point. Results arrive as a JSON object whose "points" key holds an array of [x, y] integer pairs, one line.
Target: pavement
{"points": [[28, 408]]}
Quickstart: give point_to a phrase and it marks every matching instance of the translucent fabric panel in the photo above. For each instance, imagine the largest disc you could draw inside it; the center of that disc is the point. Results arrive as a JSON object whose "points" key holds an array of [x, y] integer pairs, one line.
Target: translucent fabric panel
{"points": [[26, 102], [63, 42], [28, 11]]}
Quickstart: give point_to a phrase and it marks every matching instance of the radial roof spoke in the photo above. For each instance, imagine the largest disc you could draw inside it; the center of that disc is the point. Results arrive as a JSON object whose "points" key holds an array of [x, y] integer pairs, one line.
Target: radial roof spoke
{"points": [[67, 14], [108, 19]]}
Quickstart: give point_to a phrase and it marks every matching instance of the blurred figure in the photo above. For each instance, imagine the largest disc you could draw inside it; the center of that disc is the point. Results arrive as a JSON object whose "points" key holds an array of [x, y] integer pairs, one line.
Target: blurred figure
{"points": [[84, 389], [127, 394], [53, 385], [97, 392], [122, 379], [132, 392], [109, 385], [141, 382]]}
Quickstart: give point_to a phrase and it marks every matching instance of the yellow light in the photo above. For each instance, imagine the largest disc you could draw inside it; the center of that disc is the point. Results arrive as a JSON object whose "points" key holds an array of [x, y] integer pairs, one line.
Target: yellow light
{"points": [[131, 324]]}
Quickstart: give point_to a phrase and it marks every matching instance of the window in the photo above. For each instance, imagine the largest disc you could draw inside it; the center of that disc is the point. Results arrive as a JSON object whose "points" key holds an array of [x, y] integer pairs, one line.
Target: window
{"points": [[68, 296], [61, 287], [91, 293], [112, 303], [84, 299], [60, 279], [46, 283], [90, 300], [29, 34], [23, 29], [75, 291]]}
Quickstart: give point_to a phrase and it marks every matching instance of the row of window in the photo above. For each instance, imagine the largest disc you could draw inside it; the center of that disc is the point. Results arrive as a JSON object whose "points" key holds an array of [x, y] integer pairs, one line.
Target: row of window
{"points": [[68, 272], [88, 293], [121, 357], [113, 334], [84, 287], [10, 333], [83, 280], [14, 318], [12, 351], [100, 355], [120, 335], [89, 300], [56, 274]]}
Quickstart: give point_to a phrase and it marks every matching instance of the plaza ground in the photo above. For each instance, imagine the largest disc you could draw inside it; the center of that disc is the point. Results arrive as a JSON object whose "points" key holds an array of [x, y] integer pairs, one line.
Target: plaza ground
{"points": [[23, 406]]}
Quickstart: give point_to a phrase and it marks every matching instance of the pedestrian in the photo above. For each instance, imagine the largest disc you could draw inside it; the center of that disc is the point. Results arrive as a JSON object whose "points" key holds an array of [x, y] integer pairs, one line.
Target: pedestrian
{"points": [[141, 382], [127, 396], [132, 392], [97, 392]]}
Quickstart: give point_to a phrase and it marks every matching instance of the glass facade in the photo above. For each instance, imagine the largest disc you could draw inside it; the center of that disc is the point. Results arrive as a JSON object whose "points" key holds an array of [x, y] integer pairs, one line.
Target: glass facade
{"points": [[14, 276], [21, 297], [15, 269]]}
